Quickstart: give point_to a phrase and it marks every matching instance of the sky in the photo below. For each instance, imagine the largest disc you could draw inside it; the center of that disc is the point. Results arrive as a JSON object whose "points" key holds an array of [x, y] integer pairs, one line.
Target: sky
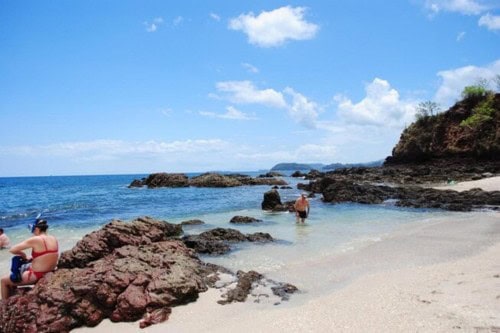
{"points": [[126, 87]]}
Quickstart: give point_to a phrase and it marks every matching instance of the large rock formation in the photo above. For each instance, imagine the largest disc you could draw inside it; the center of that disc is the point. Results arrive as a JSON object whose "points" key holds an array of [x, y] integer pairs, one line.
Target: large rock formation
{"points": [[209, 179], [125, 272], [469, 129]]}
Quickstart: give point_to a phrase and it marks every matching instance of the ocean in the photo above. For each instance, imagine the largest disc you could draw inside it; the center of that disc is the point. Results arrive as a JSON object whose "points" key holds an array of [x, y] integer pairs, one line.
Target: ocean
{"points": [[77, 205]]}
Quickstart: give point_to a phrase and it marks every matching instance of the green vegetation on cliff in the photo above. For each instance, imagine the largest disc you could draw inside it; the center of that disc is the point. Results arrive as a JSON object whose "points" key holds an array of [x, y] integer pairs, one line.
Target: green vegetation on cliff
{"points": [[469, 129]]}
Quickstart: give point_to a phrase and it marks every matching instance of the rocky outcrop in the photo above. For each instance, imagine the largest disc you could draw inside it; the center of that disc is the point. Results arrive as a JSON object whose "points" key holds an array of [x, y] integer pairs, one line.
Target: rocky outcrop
{"points": [[215, 180], [427, 173], [127, 284], [272, 202], [243, 219], [133, 271], [192, 222], [452, 134], [115, 234], [209, 179], [336, 191], [162, 179], [218, 241], [271, 174]]}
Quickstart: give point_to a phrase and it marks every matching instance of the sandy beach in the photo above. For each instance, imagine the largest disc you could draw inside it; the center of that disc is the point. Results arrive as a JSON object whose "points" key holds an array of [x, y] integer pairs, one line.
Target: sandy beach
{"points": [[442, 276]]}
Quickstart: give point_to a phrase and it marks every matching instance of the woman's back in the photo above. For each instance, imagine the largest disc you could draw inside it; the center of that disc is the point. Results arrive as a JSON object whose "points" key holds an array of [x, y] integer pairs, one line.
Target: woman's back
{"points": [[45, 253]]}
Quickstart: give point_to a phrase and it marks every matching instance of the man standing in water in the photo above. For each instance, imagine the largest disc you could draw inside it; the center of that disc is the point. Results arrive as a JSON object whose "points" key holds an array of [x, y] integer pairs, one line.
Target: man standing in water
{"points": [[301, 208]]}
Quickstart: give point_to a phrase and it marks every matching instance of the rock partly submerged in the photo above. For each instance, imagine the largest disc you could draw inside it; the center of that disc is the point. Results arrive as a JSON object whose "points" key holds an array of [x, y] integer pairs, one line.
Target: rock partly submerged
{"points": [[210, 179], [126, 271]]}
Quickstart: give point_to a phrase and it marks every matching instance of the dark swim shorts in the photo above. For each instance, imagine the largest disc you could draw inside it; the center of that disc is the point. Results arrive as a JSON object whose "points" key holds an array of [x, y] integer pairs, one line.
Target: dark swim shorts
{"points": [[302, 214]]}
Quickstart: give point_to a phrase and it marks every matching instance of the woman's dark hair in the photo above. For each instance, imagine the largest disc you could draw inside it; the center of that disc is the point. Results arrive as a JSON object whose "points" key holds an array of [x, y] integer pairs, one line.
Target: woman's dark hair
{"points": [[42, 225]]}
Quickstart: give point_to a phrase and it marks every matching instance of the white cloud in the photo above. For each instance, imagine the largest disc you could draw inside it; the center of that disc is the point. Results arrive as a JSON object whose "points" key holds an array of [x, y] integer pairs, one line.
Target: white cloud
{"points": [[244, 92], [491, 22], [231, 113], [455, 80], [250, 68], [178, 20], [302, 110], [306, 153], [215, 17], [153, 26], [275, 27], [114, 148], [460, 36], [467, 7], [382, 106]]}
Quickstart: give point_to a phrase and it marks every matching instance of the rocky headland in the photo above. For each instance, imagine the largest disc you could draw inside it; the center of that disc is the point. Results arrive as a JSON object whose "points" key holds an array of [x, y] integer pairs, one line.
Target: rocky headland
{"points": [[129, 271], [460, 144]]}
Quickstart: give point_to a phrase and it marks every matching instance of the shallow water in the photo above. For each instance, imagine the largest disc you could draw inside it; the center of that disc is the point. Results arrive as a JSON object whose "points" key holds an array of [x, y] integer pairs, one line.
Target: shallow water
{"points": [[75, 206]]}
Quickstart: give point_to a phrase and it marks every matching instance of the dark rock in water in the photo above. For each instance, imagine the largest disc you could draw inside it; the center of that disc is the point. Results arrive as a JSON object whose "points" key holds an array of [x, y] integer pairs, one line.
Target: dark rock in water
{"points": [[247, 281], [286, 187], [166, 180], [217, 241], [214, 180], [272, 200], [232, 180], [243, 219], [192, 222], [271, 174], [297, 174], [137, 183], [240, 293], [162, 179], [284, 290], [100, 243]]}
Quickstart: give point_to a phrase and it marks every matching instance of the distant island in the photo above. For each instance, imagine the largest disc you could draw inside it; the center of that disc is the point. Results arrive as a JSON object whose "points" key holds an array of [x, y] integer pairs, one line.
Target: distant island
{"points": [[322, 167]]}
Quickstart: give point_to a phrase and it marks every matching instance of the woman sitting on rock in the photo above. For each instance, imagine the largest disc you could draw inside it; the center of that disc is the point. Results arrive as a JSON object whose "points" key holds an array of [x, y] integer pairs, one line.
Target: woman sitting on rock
{"points": [[44, 257]]}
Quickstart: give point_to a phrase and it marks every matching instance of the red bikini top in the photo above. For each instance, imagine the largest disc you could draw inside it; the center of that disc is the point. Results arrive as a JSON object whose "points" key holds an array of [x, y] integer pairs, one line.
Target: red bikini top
{"points": [[35, 254]]}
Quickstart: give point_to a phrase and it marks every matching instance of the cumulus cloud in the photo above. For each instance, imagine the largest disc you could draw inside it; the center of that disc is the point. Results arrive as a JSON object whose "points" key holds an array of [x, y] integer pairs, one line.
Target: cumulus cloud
{"points": [[231, 113], [381, 106], [453, 81], [491, 22], [467, 7], [154, 24], [302, 110], [275, 27], [244, 92]]}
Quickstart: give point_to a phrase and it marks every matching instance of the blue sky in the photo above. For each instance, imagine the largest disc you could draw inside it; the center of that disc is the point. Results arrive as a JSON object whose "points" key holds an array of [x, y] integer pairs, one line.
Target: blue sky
{"points": [[99, 87]]}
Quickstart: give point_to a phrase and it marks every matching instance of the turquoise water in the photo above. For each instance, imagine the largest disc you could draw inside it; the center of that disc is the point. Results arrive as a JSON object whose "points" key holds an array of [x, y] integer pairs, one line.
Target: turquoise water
{"points": [[77, 205]]}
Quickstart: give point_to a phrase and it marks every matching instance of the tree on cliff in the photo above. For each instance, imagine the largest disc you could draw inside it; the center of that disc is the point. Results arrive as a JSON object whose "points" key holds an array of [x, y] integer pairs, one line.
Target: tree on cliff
{"points": [[427, 108]]}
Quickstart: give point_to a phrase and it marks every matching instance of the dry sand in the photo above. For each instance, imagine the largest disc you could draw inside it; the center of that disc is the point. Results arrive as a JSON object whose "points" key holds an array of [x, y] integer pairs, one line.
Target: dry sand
{"points": [[486, 184], [442, 276]]}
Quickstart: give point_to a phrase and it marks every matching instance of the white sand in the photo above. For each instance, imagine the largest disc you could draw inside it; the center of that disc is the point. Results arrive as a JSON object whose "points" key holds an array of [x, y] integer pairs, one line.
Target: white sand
{"points": [[442, 276], [486, 184]]}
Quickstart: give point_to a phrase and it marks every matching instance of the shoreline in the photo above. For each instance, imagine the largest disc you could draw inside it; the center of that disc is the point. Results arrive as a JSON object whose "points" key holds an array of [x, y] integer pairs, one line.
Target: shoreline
{"points": [[440, 276], [449, 282]]}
